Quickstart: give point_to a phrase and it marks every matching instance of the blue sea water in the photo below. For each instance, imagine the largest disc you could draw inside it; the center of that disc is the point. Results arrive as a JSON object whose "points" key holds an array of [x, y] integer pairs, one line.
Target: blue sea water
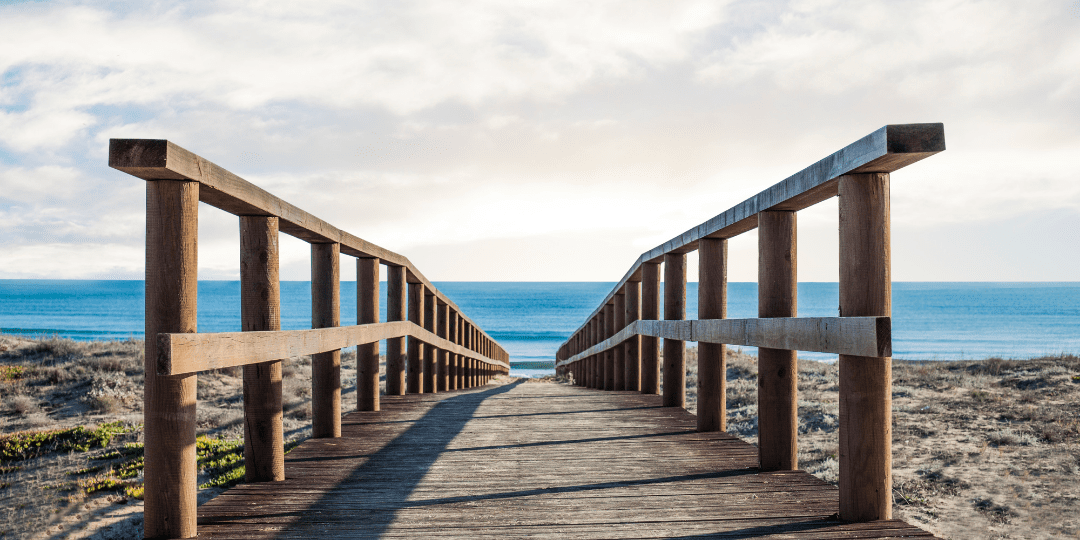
{"points": [[931, 321]]}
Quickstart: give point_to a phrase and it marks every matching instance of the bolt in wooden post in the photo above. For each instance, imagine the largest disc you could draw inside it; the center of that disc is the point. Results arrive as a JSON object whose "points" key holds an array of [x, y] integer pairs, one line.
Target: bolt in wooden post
{"points": [[619, 351], [674, 349], [260, 310], [777, 368], [609, 355], [632, 346], [416, 347], [429, 350], [442, 371], [712, 365], [395, 347], [865, 383], [172, 225], [650, 311], [325, 366], [367, 354]]}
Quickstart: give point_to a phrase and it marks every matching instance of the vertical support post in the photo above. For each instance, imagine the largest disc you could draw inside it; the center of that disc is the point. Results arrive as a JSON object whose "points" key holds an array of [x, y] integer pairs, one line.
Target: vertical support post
{"points": [[633, 345], [442, 371], [260, 310], [674, 349], [325, 366], [396, 301], [650, 311], [452, 361], [619, 351], [597, 359], [416, 347], [712, 365], [777, 368], [865, 382], [429, 350], [172, 228], [609, 355], [367, 354]]}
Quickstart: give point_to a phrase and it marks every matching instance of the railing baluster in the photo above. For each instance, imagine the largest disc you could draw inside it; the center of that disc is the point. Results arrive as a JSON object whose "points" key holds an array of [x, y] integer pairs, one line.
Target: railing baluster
{"points": [[619, 313], [674, 310], [325, 366], [650, 311], [172, 224], [777, 368], [865, 382], [442, 371], [430, 321], [609, 355], [260, 301], [367, 355], [452, 360], [632, 349], [712, 364], [396, 302], [416, 347]]}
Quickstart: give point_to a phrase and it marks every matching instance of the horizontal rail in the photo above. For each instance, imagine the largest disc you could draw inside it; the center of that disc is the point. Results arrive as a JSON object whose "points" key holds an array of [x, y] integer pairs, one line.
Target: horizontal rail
{"points": [[886, 150], [158, 159], [190, 353], [858, 336]]}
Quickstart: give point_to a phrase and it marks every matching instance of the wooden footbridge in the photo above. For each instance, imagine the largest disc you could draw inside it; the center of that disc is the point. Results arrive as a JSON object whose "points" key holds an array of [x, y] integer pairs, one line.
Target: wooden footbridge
{"points": [[451, 450]]}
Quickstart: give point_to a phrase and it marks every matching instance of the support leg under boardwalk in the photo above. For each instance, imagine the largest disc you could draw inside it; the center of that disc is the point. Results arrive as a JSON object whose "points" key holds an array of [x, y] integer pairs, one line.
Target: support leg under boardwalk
{"points": [[536, 460]]}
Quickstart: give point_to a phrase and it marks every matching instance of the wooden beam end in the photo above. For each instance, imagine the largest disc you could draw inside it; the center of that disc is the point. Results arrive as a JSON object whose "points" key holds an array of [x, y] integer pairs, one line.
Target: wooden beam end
{"points": [[884, 336]]}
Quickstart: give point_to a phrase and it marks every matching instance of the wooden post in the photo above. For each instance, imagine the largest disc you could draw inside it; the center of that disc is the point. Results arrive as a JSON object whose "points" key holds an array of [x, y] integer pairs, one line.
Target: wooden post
{"points": [[396, 302], [260, 309], [778, 419], [416, 347], [619, 352], [172, 225], [597, 363], [865, 383], [367, 354], [650, 311], [674, 310], [609, 355], [712, 365], [325, 366], [429, 350], [452, 362], [633, 345], [442, 371]]}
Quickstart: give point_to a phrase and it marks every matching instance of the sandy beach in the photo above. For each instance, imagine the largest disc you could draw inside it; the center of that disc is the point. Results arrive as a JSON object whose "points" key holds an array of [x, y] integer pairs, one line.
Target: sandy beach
{"points": [[981, 449]]}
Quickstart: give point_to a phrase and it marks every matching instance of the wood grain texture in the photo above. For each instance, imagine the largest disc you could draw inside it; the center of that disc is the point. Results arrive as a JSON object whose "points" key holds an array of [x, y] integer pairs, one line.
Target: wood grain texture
{"points": [[778, 402], [674, 385], [650, 310], [619, 351], [885, 150], [156, 159], [633, 344], [865, 382], [442, 367], [260, 310], [414, 375], [325, 366], [430, 323], [528, 460], [172, 224], [859, 336], [367, 354], [454, 335], [396, 310], [712, 365]]}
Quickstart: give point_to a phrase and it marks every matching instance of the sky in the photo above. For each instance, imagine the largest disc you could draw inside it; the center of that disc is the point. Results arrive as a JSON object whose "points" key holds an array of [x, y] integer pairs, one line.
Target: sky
{"points": [[542, 140]]}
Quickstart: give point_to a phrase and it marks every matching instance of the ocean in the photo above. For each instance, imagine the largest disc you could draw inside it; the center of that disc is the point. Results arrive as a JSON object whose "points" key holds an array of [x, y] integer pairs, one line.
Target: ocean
{"points": [[931, 321]]}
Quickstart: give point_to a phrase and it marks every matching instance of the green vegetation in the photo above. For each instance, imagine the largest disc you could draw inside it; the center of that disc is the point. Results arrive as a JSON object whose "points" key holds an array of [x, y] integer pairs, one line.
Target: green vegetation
{"points": [[23, 446], [11, 373]]}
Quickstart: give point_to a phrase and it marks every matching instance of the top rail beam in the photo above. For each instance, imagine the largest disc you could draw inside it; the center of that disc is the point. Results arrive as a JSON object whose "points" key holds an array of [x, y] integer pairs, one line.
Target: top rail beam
{"points": [[887, 149], [158, 159]]}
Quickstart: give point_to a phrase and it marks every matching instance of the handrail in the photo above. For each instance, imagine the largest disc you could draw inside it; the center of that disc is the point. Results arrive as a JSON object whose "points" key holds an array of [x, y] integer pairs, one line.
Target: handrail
{"points": [[617, 347], [445, 350], [179, 354]]}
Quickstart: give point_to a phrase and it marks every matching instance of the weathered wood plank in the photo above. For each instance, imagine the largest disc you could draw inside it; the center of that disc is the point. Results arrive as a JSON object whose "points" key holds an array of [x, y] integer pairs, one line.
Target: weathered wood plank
{"points": [[193, 352]]}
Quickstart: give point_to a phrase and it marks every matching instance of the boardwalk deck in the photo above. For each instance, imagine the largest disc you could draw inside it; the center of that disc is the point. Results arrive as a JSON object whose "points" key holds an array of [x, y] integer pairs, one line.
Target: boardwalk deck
{"points": [[523, 460]]}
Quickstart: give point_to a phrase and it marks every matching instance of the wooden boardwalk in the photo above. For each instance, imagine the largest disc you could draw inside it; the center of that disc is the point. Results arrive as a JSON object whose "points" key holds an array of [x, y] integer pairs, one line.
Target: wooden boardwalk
{"points": [[523, 460]]}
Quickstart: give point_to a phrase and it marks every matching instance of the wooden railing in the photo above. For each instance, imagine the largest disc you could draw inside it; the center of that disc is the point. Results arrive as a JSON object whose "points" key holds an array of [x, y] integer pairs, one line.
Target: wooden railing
{"points": [[446, 350], [617, 347]]}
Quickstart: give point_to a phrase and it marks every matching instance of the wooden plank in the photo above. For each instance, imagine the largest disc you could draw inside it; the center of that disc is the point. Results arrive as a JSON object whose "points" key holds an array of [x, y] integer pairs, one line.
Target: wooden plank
{"points": [[778, 401], [192, 352], [885, 150], [157, 159], [172, 224], [860, 336], [260, 310], [865, 381]]}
